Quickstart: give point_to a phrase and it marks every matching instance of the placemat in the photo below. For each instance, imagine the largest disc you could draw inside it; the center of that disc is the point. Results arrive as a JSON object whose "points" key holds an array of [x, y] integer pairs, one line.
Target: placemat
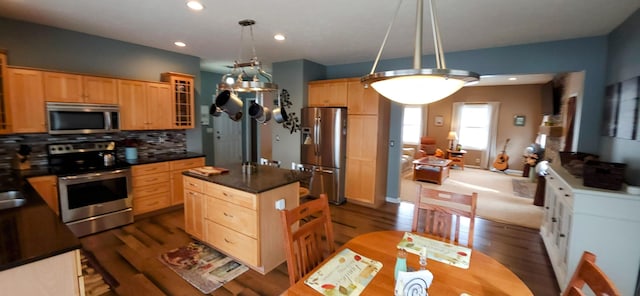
{"points": [[347, 273], [458, 256]]}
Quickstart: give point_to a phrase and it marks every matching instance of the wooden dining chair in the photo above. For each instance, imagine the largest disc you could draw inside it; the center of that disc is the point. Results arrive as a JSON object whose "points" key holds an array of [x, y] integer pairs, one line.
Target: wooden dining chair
{"points": [[441, 209], [304, 228], [587, 272]]}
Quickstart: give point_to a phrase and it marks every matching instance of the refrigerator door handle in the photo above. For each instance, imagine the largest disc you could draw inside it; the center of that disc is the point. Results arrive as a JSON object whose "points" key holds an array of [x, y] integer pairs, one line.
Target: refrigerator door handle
{"points": [[324, 171], [317, 135]]}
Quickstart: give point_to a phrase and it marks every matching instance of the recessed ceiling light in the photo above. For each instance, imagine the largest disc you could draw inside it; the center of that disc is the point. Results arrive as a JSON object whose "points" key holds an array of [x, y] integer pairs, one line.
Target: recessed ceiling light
{"points": [[513, 78], [279, 37], [180, 44], [195, 5]]}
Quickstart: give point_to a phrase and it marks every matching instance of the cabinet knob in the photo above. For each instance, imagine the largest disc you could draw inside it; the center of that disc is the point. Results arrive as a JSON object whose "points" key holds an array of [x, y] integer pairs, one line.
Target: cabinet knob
{"points": [[554, 220], [546, 208], [567, 195], [560, 188], [562, 235]]}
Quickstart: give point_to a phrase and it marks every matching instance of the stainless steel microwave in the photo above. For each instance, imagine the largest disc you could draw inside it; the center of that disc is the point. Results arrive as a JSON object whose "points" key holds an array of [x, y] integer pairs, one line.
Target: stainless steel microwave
{"points": [[79, 118]]}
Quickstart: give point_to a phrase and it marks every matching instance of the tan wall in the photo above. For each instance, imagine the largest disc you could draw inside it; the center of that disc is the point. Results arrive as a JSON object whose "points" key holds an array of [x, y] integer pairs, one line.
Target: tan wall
{"points": [[514, 100]]}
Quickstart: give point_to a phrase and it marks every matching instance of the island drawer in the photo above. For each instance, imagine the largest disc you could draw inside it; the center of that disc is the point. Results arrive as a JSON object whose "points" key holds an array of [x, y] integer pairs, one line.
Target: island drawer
{"points": [[232, 216], [237, 245], [194, 184], [241, 198], [151, 168]]}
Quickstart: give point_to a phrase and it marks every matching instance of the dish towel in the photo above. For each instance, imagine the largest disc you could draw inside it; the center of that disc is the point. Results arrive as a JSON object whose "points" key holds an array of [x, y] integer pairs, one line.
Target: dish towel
{"points": [[413, 283]]}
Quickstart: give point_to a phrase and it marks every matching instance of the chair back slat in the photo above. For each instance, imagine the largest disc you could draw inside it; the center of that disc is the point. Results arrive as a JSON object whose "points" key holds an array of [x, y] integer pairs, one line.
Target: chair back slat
{"points": [[308, 233], [442, 212], [587, 272]]}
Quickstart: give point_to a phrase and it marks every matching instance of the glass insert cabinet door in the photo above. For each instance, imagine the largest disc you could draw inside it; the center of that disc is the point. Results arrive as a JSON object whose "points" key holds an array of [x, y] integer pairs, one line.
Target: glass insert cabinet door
{"points": [[182, 88]]}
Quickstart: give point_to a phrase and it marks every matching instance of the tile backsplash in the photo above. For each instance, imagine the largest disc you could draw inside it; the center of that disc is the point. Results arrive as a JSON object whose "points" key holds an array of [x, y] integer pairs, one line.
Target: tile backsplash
{"points": [[150, 143]]}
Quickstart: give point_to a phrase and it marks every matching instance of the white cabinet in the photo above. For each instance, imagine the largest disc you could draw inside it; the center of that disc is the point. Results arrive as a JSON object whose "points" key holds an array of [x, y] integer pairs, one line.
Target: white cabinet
{"points": [[604, 222]]}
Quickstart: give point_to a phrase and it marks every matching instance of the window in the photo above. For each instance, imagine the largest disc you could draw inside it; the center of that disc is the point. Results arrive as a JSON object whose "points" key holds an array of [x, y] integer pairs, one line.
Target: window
{"points": [[475, 121], [412, 124]]}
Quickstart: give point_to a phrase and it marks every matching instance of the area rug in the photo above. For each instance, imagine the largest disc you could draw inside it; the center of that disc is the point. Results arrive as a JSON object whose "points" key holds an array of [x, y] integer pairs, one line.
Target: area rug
{"points": [[201, 266], [523, 188], [496, 200]]}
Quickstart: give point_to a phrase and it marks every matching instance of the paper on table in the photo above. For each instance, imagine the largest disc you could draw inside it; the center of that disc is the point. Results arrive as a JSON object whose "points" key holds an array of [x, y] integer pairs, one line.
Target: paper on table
{"points": [[347, 273], [413, 283], [436, 250]]}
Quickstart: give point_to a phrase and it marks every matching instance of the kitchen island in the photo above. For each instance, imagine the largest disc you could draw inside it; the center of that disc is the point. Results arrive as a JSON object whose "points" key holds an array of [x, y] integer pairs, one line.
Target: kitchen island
{"points": [[236, 212]]}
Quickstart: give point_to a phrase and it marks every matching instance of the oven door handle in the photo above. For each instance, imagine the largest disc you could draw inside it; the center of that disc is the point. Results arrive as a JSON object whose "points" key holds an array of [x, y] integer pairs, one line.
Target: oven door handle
{"points": [[99, 175]]}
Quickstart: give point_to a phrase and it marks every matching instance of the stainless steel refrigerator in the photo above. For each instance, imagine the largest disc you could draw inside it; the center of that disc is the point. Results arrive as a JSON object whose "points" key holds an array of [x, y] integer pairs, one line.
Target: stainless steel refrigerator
{"points": [[323, 150]]}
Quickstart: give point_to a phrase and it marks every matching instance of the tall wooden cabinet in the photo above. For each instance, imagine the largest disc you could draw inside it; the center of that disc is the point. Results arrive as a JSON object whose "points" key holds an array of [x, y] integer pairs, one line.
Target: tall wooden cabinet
{"points": [[26, 100], [182, 114], [604, 222], [4, 107], [367, 150]]}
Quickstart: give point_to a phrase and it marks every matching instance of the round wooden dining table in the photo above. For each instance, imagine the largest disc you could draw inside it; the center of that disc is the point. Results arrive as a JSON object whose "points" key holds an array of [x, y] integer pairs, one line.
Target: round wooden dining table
{"points": [[485, 276]]}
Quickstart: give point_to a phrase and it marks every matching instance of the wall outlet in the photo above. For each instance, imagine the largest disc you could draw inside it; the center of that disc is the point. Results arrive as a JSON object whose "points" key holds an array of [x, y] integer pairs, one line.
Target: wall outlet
{"points": [[280, 204]]}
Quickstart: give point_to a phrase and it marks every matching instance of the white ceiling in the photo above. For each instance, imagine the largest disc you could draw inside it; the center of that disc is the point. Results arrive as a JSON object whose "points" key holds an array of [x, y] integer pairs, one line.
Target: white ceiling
{"points": [[328, 32]]}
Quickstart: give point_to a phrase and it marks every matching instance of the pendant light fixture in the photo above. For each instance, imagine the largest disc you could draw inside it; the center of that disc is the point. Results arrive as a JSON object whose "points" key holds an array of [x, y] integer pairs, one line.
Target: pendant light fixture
{"points": [[246, 76], [418, 86]]}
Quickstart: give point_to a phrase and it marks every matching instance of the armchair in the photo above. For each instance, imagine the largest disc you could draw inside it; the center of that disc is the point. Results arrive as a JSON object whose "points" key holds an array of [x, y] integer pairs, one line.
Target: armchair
{"points": [[428, 147]]}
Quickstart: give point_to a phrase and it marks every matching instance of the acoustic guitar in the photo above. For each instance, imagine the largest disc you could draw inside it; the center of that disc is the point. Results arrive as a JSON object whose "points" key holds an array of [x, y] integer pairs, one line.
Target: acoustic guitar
{"points": [[502, 160]]}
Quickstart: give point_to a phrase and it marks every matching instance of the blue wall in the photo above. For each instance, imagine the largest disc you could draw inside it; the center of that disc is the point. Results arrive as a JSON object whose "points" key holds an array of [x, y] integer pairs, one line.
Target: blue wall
{"points": [[623, 63], [44, 47], [209, 81]]}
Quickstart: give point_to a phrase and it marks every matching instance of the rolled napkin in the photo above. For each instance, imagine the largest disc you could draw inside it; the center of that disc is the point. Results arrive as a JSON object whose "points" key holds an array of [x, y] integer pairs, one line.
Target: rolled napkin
{"points": [[413, 283]]}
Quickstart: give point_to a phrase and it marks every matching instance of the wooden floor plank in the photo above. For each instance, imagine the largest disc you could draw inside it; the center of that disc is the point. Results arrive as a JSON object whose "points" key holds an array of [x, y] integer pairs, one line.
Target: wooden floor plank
{"points": [[130, 255]]}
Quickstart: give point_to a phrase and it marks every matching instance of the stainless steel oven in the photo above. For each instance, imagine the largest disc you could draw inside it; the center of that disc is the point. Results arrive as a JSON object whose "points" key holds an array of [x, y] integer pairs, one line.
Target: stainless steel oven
{"points": [[93, 202], [94, 186]]}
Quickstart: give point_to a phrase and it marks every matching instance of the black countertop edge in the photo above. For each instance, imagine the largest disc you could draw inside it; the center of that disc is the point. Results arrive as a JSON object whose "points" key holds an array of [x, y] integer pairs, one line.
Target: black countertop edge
{"points": [[32, 232], [163, 158], [263, 179]]}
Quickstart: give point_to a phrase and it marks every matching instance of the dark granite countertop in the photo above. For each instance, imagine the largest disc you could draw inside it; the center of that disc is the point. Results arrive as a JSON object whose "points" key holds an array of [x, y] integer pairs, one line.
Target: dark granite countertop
{"points": [[33, 231], [163, 157], [263, 179]]}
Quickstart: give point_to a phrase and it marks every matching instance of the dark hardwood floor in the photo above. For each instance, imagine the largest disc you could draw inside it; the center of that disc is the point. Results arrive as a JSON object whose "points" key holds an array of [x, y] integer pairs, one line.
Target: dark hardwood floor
{"points": [[129, 254]]}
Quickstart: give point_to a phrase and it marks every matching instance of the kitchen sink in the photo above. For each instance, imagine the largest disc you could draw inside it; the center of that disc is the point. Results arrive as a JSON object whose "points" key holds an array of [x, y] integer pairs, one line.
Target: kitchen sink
{"points": [[11, 199]]}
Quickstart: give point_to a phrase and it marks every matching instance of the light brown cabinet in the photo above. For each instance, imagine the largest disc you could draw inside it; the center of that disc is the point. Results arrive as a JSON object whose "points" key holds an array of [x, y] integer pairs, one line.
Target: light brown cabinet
{"points": [[182, 109], [245, 226], [328, 93], [367, 150], [26, 101], [177, 167], [151, 187], [4, 108], [73, 88], [47, 188], [194, 207], [144, 105]]}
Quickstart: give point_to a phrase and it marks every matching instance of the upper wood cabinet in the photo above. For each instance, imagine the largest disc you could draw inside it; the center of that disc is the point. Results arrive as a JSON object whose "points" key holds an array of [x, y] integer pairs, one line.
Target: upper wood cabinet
{"points": [[144, 105], [328, 93], [182, 113], [26, 100], [4, 108], [73, 88]]}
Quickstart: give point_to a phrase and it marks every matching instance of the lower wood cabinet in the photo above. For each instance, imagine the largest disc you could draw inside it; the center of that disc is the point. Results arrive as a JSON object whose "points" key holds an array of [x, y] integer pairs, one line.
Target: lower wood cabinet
{"points": [[177, 167], [159, 185], [243, 225], [151, 187], [47, 188]]}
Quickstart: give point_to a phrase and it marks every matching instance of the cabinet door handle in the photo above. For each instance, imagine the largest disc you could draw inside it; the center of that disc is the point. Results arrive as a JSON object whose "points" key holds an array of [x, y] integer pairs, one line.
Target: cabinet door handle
{"points": [[228, 241], [560, 188], [227, 215], [562, 235], [554, 220], [567, 195], [546, 208]]}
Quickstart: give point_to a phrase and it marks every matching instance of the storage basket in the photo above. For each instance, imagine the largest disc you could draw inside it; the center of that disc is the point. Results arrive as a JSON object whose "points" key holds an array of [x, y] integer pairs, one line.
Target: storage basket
{"points": [[605, 175], [567, 157]]}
